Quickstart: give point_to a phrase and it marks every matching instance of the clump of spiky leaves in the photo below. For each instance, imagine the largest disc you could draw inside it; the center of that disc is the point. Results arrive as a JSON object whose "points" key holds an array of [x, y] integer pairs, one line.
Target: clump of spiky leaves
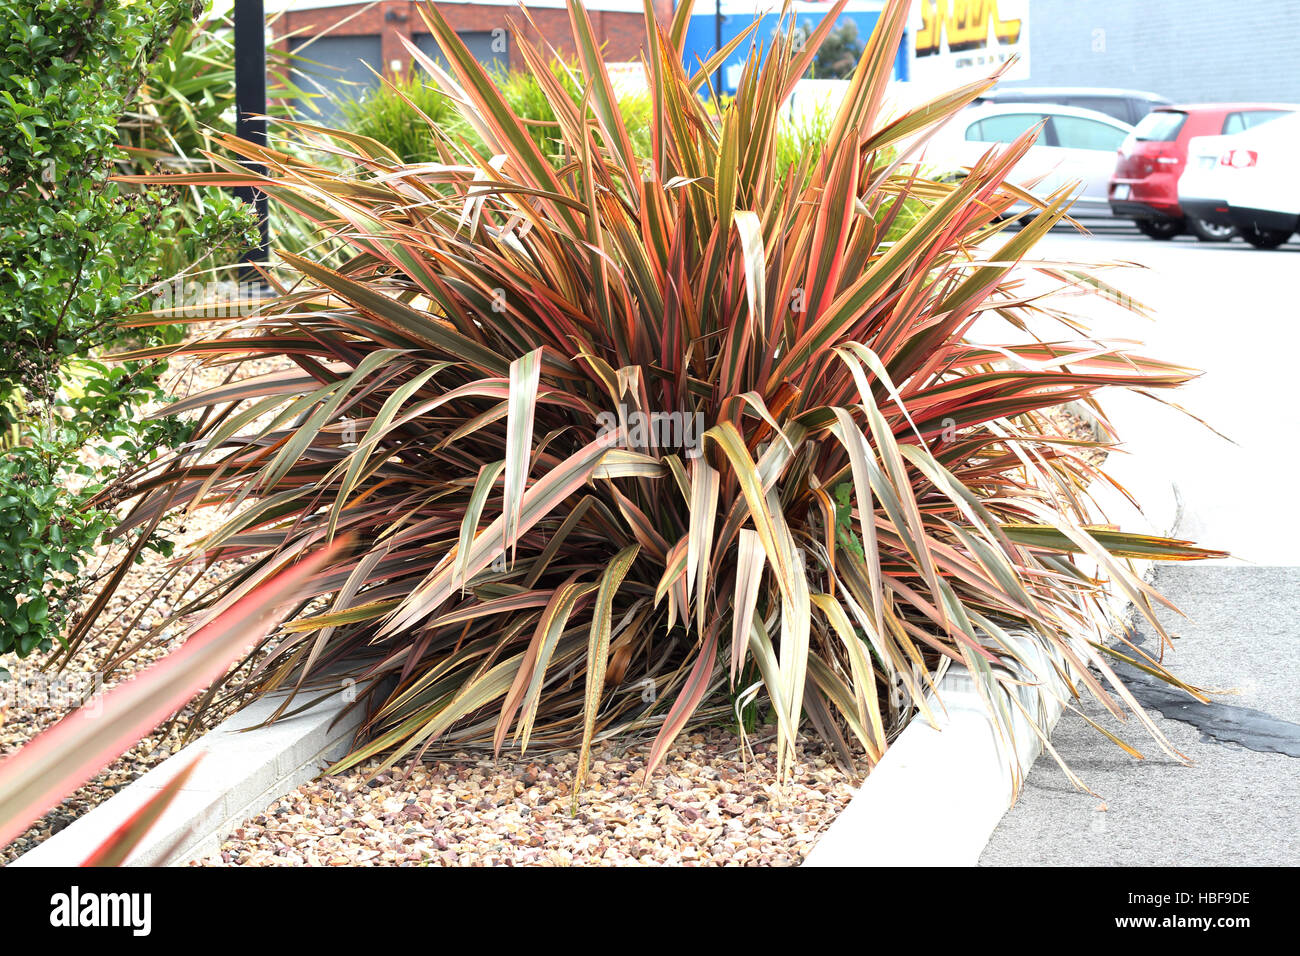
{"points": [[412, 116], [403, 114], [616, 438]]}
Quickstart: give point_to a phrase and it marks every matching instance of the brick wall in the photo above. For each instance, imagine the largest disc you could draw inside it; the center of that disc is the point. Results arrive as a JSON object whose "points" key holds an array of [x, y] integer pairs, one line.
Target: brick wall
{"points": [[1187, 50], [622, 34]]}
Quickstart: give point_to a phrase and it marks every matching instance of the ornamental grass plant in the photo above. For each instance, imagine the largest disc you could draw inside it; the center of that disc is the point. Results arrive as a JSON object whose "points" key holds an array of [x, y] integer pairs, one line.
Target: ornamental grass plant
{"points": [[627, 442]]}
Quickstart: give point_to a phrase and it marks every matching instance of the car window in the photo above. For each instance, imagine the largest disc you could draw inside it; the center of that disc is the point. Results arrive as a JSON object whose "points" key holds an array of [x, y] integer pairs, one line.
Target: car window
{"points": [[1162, 126], [1076, 132], [1002, 129], [1240, 122]]}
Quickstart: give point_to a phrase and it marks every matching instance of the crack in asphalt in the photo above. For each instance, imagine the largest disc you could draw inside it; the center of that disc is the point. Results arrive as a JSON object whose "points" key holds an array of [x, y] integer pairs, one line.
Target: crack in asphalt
{"points": [[1225, 723]]}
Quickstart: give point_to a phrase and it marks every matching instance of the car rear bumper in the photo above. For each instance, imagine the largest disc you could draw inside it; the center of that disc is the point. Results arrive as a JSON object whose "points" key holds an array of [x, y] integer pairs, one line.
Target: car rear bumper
{"points": [[1213, 211], [1090, 209], [1131, 209], [1269, 220], [1153, 197]]}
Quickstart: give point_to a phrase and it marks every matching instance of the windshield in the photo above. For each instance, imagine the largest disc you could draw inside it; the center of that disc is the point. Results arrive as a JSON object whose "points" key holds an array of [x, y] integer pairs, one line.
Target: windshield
{"points": [[1240, 122]]}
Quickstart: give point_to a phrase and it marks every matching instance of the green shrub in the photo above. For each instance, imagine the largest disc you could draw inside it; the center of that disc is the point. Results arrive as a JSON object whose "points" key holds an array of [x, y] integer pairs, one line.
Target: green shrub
{"points": [[528, 100], [384, 114], [390, 114], [531, 104], [77, 251], [803, 138]]}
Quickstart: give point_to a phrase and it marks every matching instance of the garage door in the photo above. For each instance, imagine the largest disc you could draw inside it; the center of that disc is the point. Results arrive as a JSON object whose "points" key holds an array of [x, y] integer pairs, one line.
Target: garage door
{"points": [[489, 47], [338, 68]]}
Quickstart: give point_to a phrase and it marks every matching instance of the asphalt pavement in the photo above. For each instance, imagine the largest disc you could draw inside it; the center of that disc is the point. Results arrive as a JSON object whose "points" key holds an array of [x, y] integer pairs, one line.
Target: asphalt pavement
{"points": [[1232, 311]]}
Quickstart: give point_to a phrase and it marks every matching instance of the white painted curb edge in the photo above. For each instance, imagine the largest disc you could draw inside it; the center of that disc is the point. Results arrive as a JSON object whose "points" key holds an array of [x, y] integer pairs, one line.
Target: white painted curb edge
{"points": [[241, 773], [936, 796]]}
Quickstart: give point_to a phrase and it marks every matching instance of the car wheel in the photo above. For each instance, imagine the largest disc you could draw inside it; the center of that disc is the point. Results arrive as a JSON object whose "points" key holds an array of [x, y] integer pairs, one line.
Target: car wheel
{"points": [[1207, 231], [1160, 228], [1265, 238]]}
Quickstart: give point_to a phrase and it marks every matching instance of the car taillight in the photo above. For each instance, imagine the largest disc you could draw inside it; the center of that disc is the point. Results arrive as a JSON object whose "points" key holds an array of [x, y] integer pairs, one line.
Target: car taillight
{"points": [[1239, 158]]}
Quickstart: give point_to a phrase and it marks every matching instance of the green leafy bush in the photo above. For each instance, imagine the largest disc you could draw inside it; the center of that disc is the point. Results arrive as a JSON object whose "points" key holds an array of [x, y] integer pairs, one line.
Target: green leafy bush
{"points": [[390, 114], [38, 541], [77, 251]]}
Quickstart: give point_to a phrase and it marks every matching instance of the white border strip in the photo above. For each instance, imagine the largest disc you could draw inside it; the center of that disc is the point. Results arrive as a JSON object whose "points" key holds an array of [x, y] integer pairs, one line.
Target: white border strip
{"points": [[937, 795], [242, 772]]}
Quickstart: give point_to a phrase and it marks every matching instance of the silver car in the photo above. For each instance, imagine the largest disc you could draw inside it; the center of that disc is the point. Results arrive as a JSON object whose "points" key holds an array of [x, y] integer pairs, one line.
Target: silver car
{"points": [[1127, 106], [1073, 146]]}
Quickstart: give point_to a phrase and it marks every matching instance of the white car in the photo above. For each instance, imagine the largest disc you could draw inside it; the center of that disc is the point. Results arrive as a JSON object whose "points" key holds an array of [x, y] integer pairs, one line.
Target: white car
{"points": [[1075, 145], [1215, 167], [1261, 187], [1201, 190]]}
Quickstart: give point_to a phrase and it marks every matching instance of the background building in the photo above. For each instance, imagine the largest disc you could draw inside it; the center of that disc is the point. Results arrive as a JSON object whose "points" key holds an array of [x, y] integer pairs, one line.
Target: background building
{"points": [[1188, 50], [345, 37], [730, 18]]}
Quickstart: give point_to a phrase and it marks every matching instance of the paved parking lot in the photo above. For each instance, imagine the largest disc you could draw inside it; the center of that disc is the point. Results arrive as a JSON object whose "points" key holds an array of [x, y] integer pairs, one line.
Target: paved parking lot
{"points": [[1234, 312]]}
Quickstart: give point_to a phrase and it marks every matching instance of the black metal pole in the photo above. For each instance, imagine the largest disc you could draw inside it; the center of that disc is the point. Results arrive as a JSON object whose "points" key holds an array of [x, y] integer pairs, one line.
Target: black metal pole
{"points": [[250, 108], [717, 42]]}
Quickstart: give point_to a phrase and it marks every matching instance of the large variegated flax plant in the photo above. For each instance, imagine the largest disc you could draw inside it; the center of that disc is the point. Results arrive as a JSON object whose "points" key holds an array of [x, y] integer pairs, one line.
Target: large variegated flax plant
{"points": [[850, 491]]}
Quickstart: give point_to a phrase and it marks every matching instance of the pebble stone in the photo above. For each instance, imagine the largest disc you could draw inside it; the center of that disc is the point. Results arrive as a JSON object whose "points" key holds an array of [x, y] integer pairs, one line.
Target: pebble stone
{"points": [[710, 804]]}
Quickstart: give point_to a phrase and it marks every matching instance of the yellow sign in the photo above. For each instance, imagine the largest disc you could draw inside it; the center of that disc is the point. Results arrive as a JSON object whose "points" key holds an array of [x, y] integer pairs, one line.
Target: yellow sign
{"points": [[966, 25], [952, 40]]}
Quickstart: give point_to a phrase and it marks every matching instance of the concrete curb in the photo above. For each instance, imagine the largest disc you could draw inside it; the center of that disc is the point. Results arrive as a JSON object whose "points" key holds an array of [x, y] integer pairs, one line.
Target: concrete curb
{"points": [[937, 795], [242, 772]]}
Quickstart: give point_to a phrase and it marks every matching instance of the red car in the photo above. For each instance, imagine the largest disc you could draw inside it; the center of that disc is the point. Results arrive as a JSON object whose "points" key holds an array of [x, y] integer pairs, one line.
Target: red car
{"points": [[1144, 186]]}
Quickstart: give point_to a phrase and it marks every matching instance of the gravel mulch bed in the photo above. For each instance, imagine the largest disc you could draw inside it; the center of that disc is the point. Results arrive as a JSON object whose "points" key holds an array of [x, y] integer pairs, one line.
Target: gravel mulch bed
{"points": [[36, 698], [1073, 425], [705, 806]]}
